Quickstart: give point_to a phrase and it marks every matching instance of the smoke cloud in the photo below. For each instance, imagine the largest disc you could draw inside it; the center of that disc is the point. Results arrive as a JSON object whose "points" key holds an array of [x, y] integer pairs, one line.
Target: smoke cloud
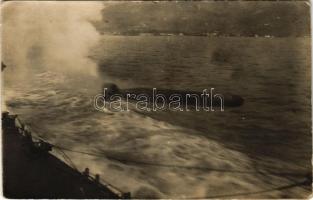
{"points": [[50, 35]]}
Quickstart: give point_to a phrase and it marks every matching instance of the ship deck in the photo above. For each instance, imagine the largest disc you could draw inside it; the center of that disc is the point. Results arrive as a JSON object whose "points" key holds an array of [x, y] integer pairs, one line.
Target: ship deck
{"points": [[42, 175]]}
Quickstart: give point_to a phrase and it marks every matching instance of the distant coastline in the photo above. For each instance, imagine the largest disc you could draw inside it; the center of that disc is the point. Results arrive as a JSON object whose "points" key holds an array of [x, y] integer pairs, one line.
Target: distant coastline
{"points": [[199, 35]]}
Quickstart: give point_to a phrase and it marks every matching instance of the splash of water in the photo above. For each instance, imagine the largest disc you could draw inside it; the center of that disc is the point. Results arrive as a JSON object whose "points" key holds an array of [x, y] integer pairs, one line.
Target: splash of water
{"points": [[53, 37]]}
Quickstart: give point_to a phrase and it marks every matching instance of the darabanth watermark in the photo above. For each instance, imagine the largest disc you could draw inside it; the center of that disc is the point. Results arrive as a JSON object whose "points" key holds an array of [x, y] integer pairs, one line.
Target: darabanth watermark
{"points": [[159, 100]]}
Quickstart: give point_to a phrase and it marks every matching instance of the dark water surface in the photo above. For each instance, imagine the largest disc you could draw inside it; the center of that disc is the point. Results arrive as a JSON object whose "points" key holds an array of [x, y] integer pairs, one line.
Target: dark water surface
{"points": [[271, 74]]}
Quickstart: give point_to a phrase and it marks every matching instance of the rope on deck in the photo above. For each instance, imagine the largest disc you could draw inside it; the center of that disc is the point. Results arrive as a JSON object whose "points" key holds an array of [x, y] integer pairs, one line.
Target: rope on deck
{"points": [[98, 154], [179, 166], [306, 181]]}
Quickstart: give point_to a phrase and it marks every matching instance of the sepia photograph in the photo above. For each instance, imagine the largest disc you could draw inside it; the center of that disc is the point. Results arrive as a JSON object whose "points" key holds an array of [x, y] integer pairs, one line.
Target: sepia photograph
{"points": [[156, 99]]}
